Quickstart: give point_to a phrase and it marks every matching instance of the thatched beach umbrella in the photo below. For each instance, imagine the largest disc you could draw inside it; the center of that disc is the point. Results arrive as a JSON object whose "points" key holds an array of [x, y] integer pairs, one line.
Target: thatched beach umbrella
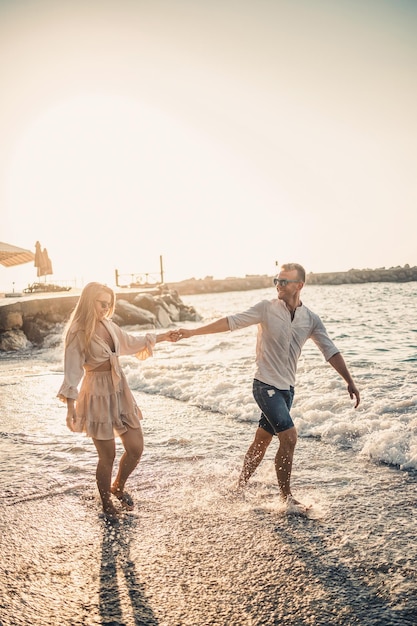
{"points": [[12, 255]]}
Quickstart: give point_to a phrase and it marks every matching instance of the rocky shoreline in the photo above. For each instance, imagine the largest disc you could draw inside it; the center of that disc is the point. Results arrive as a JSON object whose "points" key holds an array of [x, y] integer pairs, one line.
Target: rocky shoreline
{"points": [[28, 322], [193, 286], [382, 275]]}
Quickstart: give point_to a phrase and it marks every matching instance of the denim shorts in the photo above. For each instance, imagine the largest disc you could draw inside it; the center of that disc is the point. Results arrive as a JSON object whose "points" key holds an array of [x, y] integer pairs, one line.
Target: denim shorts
{"points": [[275, 405]]}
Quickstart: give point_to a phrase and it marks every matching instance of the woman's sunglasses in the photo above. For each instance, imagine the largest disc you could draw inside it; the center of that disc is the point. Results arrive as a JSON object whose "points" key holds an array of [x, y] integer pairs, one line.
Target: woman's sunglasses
{"points": [[104, 304]]}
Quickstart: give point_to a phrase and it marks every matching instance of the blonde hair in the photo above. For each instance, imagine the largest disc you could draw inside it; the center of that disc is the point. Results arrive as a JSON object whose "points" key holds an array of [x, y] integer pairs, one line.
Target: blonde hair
{"points": [[84, 315], [301, 273]]}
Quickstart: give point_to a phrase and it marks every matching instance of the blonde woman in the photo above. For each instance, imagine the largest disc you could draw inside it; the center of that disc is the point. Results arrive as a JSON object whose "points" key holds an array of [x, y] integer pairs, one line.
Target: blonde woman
{"points": [[104, 406]]}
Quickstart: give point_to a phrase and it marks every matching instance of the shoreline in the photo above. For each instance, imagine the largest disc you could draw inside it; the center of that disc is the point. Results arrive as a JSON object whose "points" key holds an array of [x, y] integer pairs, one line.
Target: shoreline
{"points": [[29, 317], [193, 554], [28, 320], [193, 286]]}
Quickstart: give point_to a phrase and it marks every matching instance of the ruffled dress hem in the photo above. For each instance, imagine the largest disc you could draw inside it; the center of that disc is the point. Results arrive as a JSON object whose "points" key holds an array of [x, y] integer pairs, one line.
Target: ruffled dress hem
{"points": [[103, 410]]}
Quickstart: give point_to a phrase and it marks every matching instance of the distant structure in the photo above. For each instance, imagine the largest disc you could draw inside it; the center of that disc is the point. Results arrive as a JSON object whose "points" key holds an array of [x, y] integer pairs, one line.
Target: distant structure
{"points": [[140, 279]]}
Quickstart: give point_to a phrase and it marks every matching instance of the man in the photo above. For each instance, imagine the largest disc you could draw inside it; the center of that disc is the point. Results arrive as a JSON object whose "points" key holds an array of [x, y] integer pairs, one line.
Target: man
{"points": [[284, 325]]}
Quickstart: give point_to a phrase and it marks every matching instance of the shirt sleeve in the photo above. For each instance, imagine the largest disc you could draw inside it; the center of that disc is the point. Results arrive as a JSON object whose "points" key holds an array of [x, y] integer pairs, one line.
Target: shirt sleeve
{"points": [[74, 359], [251, 316], [141, 346], [322, 340]]}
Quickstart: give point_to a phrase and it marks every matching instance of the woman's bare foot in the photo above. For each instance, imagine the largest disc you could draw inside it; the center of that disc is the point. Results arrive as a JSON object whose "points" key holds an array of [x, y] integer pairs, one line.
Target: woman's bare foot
{"points": [[110, 513], [124, 498]]}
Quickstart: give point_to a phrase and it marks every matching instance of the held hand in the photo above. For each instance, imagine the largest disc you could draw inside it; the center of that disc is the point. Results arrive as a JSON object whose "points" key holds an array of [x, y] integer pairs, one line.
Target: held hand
{"points": [[184, 333], [173, 335], [354, 393]]}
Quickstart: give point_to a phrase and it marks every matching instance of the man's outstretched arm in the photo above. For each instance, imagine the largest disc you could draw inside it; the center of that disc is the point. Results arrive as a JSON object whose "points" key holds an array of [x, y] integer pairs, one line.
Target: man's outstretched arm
{"points": [[219, 326], [338, 363]]}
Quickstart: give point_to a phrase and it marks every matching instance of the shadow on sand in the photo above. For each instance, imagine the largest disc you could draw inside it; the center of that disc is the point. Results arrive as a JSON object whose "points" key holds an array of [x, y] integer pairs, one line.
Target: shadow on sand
{"points": [[349, 596], [118, 575]]}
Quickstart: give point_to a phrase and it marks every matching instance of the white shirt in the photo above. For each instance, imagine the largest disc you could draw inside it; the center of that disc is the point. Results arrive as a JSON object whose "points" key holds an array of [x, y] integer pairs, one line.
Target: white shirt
{"points": [[280, 340]]}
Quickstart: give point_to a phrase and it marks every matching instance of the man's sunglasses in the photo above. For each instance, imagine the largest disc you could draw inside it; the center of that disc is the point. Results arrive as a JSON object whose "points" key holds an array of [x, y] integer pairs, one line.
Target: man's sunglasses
{"points": [[283, 282]]}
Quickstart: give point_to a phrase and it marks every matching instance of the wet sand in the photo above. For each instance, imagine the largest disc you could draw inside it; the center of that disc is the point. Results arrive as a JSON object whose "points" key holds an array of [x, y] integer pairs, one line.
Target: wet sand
{"points": [[194, 554]]}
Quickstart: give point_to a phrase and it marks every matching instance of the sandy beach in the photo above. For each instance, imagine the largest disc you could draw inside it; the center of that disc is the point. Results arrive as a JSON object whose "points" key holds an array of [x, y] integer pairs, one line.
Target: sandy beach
{"points": [[195, 554]]}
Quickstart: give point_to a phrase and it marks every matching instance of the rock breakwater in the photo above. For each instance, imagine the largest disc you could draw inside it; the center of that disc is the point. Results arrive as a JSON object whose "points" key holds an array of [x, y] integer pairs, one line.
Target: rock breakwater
{"points": [[193, 286], [31, 321], [27, 321], [382, 275]]}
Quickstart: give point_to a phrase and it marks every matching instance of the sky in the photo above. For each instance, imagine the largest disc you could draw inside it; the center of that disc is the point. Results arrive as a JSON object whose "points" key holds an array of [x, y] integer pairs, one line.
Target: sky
{"points": [[224, 137]]}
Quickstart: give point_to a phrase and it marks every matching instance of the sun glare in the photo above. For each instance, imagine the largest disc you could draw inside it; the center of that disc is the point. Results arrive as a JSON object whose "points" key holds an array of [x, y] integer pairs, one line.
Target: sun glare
{"points": [[110, 183], [219, 138]]}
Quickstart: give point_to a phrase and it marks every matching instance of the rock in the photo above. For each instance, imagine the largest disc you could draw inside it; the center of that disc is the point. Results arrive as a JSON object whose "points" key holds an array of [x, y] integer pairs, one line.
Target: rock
{"points": [[355, 276], [37, 330], [145, 301], [37, 321], [12, 320], [13, 340], [33, 332], [189, 314], [163, 317], [173, 312], [117, 319], [131, 314]]}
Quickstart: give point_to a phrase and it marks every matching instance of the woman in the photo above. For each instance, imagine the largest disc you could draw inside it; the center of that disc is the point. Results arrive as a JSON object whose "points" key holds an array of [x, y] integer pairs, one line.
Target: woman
{"points": [[104, 405]]}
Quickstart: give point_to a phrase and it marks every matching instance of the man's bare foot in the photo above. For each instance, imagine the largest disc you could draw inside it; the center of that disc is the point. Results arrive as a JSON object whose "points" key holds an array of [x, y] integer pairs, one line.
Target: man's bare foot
{"points": [[294, 507], [241, 483], [235, 491]]}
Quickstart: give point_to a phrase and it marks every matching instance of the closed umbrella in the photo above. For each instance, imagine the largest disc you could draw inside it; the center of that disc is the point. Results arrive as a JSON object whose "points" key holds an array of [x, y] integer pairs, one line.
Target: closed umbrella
{"points": [[47, 263], [42, 261], [38, 257]]}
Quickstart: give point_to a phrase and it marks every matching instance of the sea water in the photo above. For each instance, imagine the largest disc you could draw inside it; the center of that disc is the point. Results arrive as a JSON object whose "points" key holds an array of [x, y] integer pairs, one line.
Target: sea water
{"points": [[357, 468], [375, 328]]}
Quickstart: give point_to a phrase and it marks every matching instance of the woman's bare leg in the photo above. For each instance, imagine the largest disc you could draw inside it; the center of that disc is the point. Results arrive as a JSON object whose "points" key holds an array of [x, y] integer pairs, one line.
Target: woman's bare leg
{"points": [[133, 444], [106, 450]]}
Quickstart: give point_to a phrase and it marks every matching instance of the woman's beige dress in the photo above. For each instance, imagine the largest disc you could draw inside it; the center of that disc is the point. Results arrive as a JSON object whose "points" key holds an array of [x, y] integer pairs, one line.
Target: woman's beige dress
{"points": [[105, 405]]}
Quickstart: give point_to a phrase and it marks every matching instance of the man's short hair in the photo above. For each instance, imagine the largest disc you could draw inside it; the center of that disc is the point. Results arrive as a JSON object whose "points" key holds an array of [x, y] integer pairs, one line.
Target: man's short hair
{"points": [[301, 273]]}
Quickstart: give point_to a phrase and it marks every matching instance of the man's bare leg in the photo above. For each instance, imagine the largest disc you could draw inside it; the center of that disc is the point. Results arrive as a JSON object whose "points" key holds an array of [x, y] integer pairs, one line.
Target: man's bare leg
{"points": [[284, 460], [254, 455]]}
